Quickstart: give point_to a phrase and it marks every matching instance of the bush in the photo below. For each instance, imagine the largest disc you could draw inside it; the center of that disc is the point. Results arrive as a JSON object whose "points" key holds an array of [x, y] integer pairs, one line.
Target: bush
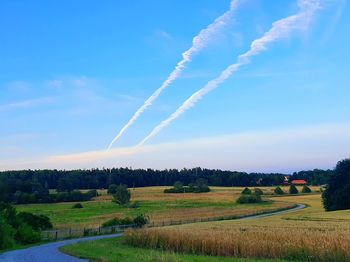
{"points": [[40, 222], [246, 191], [249, 199], [26, 235], [141, 220], [77, 205], [112, 189], [306, 190], [134, 204], [293, 190], [6, 234], [258, 191], [337, 193], [117, 222], [122, 195], [92, 193], [200, 186], [278, 191]]}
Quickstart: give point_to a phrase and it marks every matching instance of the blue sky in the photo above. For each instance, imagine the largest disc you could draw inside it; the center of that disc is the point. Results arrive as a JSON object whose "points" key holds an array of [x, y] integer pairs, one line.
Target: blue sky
{"points": [[72, 73]]}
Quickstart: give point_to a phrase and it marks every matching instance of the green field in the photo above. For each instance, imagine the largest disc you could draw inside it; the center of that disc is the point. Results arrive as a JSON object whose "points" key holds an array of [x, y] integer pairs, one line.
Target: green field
{"points": [[153, 202]]}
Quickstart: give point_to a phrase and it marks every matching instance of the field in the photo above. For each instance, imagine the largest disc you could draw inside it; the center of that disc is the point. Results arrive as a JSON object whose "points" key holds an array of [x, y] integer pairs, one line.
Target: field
{"points": [[114, 250], [309, 234], [153, 202]]}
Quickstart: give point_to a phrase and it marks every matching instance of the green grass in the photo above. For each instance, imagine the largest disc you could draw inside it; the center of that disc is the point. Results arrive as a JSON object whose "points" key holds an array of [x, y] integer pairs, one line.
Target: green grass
{"points": [[152, 201], [112, 250]]}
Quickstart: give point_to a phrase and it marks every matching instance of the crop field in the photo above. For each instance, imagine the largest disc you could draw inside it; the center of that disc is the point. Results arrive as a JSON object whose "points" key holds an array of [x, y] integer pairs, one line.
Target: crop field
{"points": [[159, 206], [309, 234], [108, 250]]}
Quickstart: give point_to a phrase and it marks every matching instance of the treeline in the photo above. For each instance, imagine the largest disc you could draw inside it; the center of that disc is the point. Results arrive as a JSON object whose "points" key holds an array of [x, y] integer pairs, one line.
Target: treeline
{"points": [[30, 186]]}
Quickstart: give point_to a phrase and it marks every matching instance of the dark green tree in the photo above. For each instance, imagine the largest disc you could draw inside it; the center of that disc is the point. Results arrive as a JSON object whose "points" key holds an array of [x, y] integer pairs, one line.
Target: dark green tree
{"points": [[246, 191], [122, 195], [112, 189], [258, 191], [306, 190], [278, 191], [293, 190], [337, 193]]}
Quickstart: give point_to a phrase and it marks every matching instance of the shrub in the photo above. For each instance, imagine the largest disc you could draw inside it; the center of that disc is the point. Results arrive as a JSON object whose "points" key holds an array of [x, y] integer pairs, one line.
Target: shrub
{"points": [[122, 195], [134, 204], [77, 205], [6, 234], [337, 193], [26, 235], [92, 193], [293, 190], [246, 191], [249, 199], [112, 189], [278, 191], [306, 190], [141, 220], [40, 222], [118, 221], [258, 191]]}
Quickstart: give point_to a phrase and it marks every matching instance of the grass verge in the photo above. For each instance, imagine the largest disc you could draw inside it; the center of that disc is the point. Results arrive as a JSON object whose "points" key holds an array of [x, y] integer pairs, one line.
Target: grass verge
{"points": [[113, 249]]}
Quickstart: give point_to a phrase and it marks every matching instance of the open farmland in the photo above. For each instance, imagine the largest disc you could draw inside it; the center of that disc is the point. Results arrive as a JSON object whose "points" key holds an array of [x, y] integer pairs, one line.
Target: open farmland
{"points": [[310, 233], [153, 202]]}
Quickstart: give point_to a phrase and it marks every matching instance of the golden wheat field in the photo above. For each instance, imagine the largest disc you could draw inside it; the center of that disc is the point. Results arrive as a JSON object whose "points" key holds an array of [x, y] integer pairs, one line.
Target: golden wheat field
{"points": [[309, 234]]}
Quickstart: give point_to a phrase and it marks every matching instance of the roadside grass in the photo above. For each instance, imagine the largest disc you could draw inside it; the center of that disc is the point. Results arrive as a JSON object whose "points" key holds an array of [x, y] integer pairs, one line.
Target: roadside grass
{"points": [[112, 250], [153, 202]]}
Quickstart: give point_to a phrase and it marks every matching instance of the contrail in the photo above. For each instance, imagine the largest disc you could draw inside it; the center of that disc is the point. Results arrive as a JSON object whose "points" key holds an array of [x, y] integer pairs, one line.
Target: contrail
{"points": [[280, 29], [198, 43]]}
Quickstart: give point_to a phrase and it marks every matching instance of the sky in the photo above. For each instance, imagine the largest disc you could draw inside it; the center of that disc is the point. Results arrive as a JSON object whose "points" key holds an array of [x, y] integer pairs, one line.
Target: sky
{"points": [[72, 74]]}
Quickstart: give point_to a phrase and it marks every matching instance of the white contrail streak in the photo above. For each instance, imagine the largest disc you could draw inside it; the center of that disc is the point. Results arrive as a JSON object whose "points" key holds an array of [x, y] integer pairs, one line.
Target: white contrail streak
{"points": [[198, 43], [280, 29]]}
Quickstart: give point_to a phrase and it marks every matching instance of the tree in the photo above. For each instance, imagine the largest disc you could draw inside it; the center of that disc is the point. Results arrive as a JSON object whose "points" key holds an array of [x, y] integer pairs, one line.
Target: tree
{"points": [[112, 189], [258, 191], [337, 193], [122, 195], [246, 191], [178, 186], [293, 190], [278, 191], [306, 190]]}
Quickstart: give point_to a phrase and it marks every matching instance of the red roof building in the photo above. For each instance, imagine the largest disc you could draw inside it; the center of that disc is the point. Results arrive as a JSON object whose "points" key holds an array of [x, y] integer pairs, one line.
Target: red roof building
{"points": [[299, 182]]}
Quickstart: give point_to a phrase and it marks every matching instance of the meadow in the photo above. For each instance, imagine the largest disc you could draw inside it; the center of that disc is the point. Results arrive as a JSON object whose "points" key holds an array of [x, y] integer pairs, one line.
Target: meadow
{"points": [[220, 202]]}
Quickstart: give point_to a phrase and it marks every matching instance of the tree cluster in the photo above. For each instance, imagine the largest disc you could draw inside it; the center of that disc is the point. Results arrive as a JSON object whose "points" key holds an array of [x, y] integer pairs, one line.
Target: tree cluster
{"points": [[200, 186], [337, 193], [32, 186], [20, 228]]}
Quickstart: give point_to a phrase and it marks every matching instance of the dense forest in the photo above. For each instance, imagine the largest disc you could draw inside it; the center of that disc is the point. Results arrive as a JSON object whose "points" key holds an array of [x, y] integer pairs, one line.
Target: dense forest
{"points": [[31, 186]]}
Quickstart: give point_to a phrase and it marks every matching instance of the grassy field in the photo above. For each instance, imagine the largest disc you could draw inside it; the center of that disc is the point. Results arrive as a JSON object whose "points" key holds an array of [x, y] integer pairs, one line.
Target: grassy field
{"points": [[309, 234], [153, 202], [113, 250]]}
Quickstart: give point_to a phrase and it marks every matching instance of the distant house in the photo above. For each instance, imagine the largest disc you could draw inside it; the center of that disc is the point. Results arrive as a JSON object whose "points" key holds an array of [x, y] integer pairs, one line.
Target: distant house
{"points": [[299, 182], [286, 180]]}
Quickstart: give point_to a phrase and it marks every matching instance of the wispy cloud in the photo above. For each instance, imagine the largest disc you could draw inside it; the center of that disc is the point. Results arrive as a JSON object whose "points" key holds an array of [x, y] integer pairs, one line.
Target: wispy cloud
{"points": [[29, 103], [285, 150]]}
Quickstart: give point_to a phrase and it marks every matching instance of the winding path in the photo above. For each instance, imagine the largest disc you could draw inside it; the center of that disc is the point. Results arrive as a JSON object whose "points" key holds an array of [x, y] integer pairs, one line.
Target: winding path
{"points": [[50, 253]]}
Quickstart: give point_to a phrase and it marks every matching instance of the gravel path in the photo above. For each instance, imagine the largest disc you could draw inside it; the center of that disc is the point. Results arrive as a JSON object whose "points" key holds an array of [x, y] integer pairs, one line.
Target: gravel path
{"points": [[50, 253]]}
